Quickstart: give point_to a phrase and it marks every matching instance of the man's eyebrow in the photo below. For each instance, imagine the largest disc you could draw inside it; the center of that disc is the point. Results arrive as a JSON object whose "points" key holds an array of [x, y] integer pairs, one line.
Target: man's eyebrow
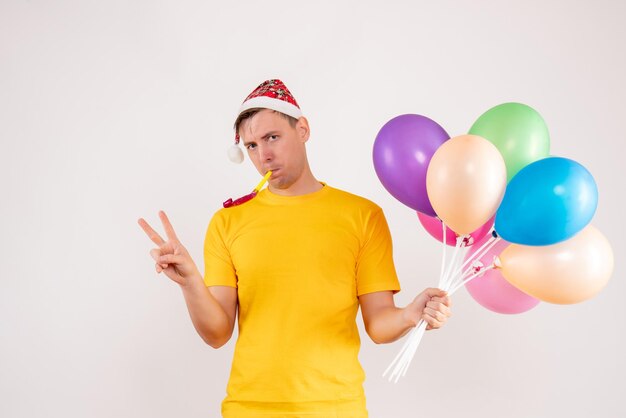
{"points": [[270, 133]]}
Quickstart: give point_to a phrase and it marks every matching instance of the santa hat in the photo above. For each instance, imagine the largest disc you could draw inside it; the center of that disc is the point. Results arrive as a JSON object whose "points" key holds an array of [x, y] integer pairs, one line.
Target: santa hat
{"points": [[270, 94]]}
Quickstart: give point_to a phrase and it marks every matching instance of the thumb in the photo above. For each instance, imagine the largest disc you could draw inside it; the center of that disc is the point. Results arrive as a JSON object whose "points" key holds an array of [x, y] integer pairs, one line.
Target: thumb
{"points": [[432, 292], [425, 296]]}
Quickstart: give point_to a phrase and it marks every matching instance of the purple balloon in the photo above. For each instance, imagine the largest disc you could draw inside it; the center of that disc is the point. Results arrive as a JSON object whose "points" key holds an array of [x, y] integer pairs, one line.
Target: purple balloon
{"points": [[402, 151]]}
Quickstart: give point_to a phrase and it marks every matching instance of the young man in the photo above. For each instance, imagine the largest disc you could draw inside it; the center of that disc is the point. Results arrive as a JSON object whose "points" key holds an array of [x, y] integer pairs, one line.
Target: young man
{"points": [[296, 262]]}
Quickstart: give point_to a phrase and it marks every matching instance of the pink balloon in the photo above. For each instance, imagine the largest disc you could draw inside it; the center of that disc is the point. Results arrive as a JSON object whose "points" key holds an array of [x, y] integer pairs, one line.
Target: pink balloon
{"points": [[433, 227], [491, 289]]}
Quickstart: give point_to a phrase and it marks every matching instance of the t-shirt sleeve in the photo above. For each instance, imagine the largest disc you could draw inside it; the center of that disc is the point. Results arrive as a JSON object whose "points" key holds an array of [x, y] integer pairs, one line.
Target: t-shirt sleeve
{"points": [[375, 270], [218, 265]]}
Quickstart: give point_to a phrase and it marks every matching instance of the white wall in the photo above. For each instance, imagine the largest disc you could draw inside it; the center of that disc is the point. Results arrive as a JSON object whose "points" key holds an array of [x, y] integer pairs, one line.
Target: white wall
{"points": [[110, 111]]}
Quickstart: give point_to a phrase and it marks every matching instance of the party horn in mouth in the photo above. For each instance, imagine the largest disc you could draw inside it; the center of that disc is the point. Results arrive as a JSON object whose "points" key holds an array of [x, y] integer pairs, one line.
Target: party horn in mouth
{"points": [[230, 202]]}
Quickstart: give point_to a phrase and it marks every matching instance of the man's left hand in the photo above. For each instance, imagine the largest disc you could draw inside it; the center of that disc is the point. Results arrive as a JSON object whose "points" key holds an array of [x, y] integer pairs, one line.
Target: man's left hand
{"points": [[432, 305]]}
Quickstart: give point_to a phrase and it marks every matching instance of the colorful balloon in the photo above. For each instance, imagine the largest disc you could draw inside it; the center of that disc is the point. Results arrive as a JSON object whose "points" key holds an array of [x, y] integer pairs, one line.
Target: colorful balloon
{"points": [[519, 133], [402, 151], [548, 201], [465, 181], [568, 272], [490, 289], [435, 229]]}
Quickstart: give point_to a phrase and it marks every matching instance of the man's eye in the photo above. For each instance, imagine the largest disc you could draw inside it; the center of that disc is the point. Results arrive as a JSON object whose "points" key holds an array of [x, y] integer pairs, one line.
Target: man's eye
{"points": [[273, 137], [250, 146]]}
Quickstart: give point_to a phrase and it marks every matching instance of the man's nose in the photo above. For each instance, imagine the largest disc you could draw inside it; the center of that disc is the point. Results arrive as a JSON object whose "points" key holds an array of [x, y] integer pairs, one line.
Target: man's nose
{"points": [[266, 152]]}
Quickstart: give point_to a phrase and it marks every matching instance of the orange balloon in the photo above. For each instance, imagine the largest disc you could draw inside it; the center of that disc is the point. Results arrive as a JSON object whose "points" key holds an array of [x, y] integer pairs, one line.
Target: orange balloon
{"points": [[465, 181], [570, 271]]}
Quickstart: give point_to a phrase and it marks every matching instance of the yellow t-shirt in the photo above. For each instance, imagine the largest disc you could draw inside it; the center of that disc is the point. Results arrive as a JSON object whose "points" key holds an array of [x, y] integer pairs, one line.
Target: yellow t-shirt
{"points": [[299, 263]]}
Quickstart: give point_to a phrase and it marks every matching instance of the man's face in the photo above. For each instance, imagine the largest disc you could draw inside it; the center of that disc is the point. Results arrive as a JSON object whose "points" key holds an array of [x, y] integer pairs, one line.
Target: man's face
{"points": [[272, 144]]}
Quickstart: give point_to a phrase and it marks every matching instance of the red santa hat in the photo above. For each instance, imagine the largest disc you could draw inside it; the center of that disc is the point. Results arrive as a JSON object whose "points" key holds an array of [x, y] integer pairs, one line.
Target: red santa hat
{"points": [[270, 94]]}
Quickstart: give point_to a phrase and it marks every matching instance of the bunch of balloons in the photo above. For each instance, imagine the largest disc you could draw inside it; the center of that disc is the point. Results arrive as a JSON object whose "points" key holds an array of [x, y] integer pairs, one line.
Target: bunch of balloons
{"points": [[520, 215]]}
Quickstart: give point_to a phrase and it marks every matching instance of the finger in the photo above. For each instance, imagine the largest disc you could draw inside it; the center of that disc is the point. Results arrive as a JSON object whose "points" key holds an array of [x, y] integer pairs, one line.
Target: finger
{"points": [[155, 253], [169, 230], [429, 327], [438, 306], [442, 309], [171, 258], [445, 300], [152, 234], [436, 315], [168, 247], [432, 322]]}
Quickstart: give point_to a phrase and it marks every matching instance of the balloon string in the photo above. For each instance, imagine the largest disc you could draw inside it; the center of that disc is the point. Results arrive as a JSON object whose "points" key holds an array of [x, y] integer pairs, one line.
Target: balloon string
{"points": [[401, 352], [477, 255], [447, 272], [470, 278], [481, 251], [443, 256], [413, 348], [449, 280], [400, 363], [446, 286], [451, 266], [400, 359]]}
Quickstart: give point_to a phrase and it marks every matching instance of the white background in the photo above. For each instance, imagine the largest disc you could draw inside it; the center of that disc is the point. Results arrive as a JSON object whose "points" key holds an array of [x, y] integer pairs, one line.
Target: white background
{"points": [[112, 110]]}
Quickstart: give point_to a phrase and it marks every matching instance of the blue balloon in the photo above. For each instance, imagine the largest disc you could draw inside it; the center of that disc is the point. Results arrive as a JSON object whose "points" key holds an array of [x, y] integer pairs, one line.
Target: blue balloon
{"points": [[548, 201]]}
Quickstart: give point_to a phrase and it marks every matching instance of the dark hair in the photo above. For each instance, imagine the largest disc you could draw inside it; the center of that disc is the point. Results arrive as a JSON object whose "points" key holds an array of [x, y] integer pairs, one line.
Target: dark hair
{"points": [[251, 112]]}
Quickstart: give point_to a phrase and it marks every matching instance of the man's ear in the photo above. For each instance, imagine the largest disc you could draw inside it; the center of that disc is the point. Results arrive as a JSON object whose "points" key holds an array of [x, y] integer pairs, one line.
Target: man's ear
{"points": [[302, 127]]}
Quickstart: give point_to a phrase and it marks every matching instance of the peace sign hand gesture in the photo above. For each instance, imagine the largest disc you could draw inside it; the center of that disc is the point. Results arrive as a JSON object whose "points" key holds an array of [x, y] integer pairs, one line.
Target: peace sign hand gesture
{"points": [[171, 256]]}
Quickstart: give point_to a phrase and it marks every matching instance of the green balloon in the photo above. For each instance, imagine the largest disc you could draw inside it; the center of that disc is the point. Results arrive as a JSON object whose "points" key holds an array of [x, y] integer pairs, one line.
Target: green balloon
{"points": [[519, 133]]}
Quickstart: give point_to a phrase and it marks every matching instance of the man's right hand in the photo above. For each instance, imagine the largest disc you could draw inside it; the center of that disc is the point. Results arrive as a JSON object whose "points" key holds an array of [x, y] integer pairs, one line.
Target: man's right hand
{"points": [[171, 256]]}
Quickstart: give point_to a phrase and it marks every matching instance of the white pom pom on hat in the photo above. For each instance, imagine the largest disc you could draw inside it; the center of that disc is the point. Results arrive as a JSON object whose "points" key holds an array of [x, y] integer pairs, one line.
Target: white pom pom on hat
{"points": [[235, 154], [270, 94]]}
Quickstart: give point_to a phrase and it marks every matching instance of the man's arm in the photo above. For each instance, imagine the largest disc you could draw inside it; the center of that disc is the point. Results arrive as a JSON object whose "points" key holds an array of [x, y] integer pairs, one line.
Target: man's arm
{"points": [[212, 310], [385, 323]]}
